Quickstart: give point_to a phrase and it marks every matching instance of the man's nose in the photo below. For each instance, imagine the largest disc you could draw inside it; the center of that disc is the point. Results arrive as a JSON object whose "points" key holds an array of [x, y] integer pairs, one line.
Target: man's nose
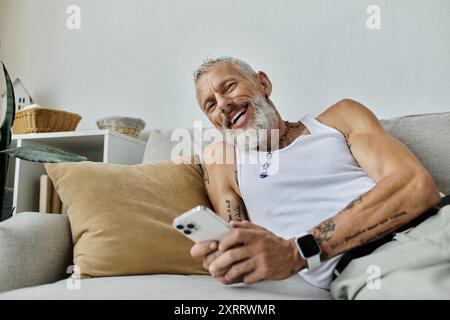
{"points": [[225, 105]]}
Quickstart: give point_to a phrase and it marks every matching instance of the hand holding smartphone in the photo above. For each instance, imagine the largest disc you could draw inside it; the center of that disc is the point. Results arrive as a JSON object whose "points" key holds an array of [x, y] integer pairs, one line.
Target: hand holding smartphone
{"points": [[201, 224]]}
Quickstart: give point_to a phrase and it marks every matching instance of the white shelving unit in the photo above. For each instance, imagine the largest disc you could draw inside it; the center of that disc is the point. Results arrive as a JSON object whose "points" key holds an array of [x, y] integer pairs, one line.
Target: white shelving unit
{"points": [[106, 146]]}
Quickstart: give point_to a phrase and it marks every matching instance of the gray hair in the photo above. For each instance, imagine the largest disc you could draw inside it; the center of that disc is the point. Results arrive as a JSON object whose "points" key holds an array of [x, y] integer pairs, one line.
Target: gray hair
{"points": [[243, 66]]}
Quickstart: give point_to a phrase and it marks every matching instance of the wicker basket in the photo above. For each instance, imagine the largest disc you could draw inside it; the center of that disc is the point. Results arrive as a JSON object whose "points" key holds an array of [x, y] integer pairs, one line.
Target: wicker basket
{"points": [[44, 120], [130, 126], [132, 132]]}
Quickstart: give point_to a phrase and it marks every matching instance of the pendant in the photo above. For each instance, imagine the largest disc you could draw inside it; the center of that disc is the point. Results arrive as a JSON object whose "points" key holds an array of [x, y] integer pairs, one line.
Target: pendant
{"points": [[266, 166]]}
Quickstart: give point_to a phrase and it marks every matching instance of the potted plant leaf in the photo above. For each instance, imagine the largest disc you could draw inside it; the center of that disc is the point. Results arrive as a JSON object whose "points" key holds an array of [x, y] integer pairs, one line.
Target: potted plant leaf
{"points": [[29, 153]]}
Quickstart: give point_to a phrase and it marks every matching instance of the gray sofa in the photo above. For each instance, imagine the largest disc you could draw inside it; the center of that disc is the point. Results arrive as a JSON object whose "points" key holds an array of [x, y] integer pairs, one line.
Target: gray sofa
{"points": [[36, 249]]}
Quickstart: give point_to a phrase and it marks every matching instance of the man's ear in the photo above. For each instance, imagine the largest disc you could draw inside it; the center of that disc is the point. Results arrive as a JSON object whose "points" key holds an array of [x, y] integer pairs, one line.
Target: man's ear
{"points": [[264, 83]]}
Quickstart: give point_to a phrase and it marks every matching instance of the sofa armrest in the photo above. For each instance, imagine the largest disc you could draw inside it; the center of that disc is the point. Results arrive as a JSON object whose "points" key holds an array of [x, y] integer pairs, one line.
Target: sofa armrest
{"points": [[35, 248]]}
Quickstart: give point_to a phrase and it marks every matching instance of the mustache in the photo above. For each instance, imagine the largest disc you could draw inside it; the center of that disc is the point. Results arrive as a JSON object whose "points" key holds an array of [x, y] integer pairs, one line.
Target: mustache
{"points": [[226, 118]]}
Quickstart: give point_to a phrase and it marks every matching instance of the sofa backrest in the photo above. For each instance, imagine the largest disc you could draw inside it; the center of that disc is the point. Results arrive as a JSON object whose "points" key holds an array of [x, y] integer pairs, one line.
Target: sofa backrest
{"points": [[426, 135]]}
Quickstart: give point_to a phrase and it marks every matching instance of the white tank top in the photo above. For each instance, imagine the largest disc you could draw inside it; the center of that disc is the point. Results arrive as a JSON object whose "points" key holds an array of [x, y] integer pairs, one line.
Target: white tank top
{"points": [[309, 181]]}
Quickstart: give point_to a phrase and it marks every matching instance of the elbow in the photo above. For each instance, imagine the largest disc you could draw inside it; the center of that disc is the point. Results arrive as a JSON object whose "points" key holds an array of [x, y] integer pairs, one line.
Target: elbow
{"points": [[427, 190]]}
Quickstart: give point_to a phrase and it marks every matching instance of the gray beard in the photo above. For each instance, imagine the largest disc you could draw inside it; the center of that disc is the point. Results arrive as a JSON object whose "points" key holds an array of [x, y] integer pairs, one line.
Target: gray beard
{"points": [[256, 134]]}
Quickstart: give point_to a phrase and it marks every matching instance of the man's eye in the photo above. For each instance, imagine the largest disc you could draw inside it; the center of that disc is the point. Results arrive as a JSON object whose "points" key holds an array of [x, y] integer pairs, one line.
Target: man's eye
{"points": [[210, 106], [230, 87]]}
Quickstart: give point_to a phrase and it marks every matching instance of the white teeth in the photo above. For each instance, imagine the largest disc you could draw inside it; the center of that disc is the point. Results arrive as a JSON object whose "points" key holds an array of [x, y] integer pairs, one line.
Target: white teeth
{"points": [[236, 116]]}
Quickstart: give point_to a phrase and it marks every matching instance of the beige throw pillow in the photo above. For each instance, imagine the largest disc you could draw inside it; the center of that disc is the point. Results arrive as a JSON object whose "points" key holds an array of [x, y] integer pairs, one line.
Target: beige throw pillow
{"points": [[121, 215]]}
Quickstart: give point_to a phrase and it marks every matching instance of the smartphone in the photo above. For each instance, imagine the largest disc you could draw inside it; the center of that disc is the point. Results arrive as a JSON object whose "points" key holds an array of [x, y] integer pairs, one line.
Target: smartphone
{"points": [[201, 224]]}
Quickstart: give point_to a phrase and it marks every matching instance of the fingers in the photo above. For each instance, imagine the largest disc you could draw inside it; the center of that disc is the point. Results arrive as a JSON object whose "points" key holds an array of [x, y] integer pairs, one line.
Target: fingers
{"points": [[227, 259], [234, 238], [226, 282], [210, 258], [239, 270], [203, 248]]}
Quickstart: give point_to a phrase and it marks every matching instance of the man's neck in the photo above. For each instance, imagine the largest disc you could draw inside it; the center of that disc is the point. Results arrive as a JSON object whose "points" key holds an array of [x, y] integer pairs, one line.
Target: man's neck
{"points": [[295, 130]]}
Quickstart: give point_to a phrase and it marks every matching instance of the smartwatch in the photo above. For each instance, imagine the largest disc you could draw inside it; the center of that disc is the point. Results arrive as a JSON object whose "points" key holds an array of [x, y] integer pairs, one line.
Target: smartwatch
{"points": [[309, 250]]}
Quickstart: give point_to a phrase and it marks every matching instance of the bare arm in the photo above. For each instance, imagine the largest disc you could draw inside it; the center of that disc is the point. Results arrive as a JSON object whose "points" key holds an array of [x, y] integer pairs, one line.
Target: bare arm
{"points": [[221, 183], [223, 191], [403, 191]]}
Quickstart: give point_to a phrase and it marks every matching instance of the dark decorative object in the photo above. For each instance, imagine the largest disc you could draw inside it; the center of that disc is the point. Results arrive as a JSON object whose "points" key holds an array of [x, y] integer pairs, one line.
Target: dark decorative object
{"points": [[5, 138], [29, 153]]}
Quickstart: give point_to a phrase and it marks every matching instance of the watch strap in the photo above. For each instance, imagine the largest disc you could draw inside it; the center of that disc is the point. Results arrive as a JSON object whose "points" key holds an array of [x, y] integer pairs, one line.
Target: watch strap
{"points": [[313, 262]]}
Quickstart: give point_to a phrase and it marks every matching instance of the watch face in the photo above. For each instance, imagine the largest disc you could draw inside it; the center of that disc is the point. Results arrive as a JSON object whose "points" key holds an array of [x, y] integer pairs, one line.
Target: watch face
{"points": [[308, 246]]}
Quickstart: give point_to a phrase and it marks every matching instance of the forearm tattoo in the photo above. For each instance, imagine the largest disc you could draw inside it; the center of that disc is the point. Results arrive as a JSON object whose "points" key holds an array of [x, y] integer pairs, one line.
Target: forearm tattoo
{"points": [[228, 208], [234, 211], [356, 201], [377, 236], [324, 231]]}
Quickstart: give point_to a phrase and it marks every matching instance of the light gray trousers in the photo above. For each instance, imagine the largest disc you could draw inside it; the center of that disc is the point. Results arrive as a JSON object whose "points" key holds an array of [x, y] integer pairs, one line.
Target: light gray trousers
{"points": [[414, 266]]}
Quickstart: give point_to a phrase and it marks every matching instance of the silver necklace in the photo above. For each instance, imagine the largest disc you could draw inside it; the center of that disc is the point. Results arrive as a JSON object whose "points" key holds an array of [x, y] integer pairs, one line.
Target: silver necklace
{"points": [[265, 167]]}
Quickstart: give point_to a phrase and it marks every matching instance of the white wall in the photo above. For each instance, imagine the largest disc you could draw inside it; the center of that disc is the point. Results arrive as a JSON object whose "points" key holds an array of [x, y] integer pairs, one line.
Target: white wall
{"points": [[136, 57]]}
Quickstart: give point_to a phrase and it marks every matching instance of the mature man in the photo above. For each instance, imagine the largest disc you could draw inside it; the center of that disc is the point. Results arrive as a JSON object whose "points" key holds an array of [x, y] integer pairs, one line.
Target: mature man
{"points": [[339, 181]]}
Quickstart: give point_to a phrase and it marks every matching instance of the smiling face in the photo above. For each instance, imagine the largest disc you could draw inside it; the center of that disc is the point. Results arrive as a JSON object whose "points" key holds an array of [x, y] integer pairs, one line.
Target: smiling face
{"points": [[235, 101]]}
